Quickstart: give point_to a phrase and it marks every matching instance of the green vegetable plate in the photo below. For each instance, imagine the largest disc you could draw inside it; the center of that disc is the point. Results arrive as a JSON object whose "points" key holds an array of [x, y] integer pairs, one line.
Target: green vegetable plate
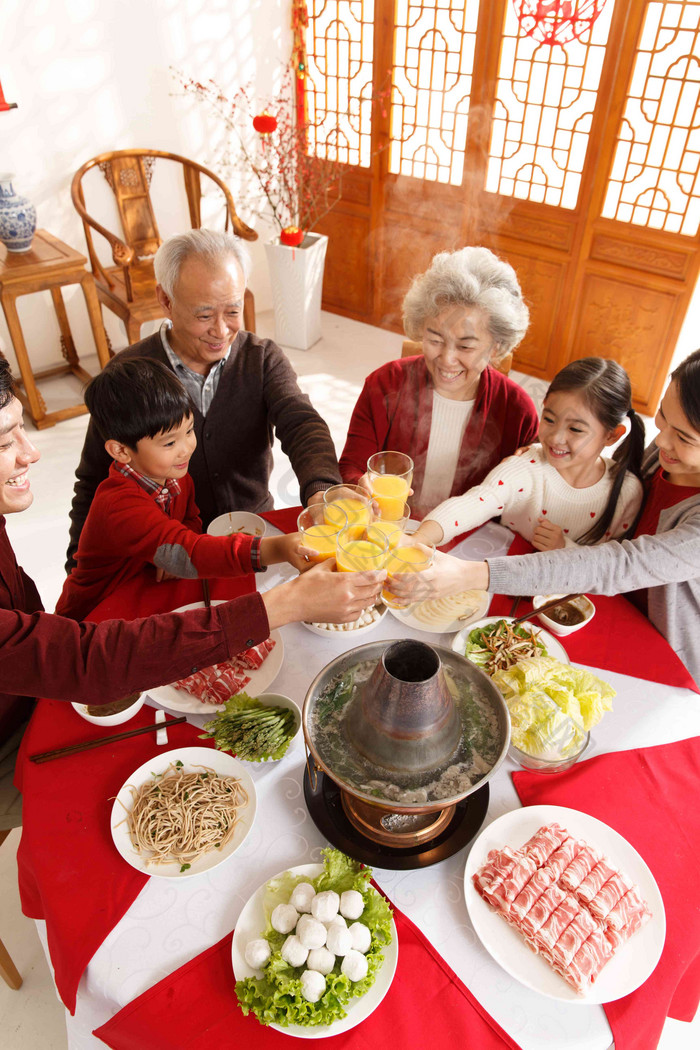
{"points": [[554, 648], [260, 995]]}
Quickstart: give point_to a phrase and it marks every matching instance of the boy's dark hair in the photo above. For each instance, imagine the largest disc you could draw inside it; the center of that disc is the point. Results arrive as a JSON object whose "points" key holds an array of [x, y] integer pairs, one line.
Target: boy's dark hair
{"points": [[136, 398], [7, 383]]}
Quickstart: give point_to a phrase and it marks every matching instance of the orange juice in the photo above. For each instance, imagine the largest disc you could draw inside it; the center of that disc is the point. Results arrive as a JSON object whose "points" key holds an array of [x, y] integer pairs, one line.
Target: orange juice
{"points": [[357, 513], [359, 556], [405, 559], [390, 529], [390, 493], [323, 539]]}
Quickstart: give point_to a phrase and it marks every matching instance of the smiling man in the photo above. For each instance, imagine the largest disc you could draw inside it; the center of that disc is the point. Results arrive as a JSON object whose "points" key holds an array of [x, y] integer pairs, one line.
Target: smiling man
{"points": [[243, 388]]}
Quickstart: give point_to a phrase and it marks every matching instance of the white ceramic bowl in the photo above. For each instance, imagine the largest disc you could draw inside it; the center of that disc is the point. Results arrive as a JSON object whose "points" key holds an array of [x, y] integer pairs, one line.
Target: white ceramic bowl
{"points": [[237, 521], [348, 631], [279, 700], [111, 720], [583, 603]]}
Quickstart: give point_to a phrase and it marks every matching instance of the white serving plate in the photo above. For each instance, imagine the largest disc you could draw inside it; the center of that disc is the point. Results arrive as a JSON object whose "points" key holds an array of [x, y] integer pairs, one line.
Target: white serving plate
{"points": [[251, 923], [407, 616], [193, 758], [180, 700], [631, 965], [554, 647], [351, 633]]}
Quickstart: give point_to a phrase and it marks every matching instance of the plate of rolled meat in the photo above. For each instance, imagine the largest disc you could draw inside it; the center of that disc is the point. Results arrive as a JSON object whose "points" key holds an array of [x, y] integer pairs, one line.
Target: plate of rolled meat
{"points": [[251, 671], [565, 904]]}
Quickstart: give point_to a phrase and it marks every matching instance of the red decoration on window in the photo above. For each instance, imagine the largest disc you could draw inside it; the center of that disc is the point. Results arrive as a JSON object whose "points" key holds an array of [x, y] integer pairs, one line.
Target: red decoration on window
{"points": [[3, 104], [265, 123], [557, 21]]}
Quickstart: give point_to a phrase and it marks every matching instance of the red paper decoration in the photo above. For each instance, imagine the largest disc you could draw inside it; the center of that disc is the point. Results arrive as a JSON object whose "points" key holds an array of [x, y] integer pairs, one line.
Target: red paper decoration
{"points": [[557, 21], [292, 236], [3, 104], [265, 123]]}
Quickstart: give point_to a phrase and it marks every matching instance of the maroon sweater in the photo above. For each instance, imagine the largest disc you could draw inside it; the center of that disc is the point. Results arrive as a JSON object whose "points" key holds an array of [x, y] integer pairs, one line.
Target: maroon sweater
{"points": [[51, 656], [126, 531], [394, 411]]}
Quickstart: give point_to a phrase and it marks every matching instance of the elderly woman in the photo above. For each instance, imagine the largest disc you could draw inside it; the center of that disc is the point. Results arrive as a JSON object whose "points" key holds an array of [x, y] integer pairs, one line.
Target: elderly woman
{"points": [[449, 408]]}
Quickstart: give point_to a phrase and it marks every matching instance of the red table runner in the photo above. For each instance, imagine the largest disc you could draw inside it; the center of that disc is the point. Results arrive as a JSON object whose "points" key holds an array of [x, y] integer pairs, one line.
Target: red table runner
{"points": [[618, 638], [196, 1008], [650, 797], [284, 519], [70, 873]]}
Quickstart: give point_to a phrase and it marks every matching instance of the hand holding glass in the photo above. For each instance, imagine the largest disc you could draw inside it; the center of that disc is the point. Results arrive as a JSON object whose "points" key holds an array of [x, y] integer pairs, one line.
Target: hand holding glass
{"points": [[406, 559], [317, 533]]}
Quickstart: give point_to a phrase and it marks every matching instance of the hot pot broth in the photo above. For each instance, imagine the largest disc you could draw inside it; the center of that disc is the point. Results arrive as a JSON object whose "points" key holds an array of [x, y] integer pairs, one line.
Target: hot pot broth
{"points": [[478, 750]]}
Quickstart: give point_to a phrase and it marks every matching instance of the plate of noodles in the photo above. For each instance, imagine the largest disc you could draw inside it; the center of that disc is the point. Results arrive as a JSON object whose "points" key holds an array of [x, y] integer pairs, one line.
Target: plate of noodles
{"points": [[445, 615], [183, 812]]}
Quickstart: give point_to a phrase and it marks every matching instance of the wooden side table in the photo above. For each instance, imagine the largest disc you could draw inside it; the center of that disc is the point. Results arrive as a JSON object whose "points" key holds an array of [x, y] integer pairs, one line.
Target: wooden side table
{"points": [[49, 265]]}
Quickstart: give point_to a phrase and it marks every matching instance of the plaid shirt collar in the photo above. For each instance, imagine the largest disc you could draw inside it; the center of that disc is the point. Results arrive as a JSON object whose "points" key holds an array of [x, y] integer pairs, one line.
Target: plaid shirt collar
{"points": [[162, 494]]}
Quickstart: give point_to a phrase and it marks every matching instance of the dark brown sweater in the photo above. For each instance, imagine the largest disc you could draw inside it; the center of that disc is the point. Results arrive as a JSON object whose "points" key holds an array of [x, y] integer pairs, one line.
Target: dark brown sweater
{"points": [[257, 395]]}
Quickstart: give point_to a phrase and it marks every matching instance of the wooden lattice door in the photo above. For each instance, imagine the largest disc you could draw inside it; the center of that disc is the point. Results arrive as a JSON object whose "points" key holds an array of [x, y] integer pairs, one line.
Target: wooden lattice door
{"points": [[579, 163]]}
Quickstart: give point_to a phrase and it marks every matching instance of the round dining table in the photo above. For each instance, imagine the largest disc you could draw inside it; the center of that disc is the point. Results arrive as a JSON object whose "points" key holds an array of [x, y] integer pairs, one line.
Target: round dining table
{"points": [[171, 921]]}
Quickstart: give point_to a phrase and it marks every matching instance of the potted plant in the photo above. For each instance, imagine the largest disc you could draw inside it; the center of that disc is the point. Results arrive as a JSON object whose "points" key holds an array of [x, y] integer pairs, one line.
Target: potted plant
{"points": [[269, 153]]}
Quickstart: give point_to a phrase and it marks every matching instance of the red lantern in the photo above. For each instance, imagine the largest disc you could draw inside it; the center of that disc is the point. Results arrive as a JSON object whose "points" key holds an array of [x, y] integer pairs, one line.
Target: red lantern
{"points": [[292, 236], [265, 123], [557, 21]]}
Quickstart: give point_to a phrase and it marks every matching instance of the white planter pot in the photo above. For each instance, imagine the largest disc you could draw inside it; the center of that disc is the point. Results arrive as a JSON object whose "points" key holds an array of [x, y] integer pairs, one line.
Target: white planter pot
{"points": [[296, 279]]}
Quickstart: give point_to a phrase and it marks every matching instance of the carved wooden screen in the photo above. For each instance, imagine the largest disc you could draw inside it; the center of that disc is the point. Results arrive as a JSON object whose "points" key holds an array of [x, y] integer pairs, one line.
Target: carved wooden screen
{"points": [[577, 162]]}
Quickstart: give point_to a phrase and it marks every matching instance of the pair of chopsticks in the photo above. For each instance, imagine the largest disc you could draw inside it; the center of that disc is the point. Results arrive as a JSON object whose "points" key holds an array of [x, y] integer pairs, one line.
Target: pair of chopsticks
{"points": [[543, 608], [74, 749]]}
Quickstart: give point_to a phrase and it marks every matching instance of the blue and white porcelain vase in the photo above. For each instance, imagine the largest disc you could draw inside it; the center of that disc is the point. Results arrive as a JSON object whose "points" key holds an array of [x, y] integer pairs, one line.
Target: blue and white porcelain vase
{"points": [[17, 218]]}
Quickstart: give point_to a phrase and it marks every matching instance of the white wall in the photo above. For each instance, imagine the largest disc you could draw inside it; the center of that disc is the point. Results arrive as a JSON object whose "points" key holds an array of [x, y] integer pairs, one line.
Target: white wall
{"points": [[94, 75]]}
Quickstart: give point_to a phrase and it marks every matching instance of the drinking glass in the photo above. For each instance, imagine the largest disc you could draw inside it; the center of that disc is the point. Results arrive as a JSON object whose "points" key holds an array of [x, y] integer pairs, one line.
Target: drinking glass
{"points": [[390, 476], [351, 502], [356, 555], [406, 559], [317, 533], [392, 528]]}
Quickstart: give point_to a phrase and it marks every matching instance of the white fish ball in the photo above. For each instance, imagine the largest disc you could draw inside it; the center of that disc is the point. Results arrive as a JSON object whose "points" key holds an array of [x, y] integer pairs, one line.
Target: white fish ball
{"points": [[337, 920], [354, 966], [339, 940], [257, 952], [351, 904], [313, 985], [301, 897], [321, 959], [284, 918], [361, 936], [294, 952], [324, 906], [311, 932]]}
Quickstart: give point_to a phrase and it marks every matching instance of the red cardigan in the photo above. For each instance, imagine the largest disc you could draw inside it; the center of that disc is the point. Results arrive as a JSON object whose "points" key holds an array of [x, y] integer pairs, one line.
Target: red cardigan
{"points": [[46, 655], [394, 411], [126, 531]]}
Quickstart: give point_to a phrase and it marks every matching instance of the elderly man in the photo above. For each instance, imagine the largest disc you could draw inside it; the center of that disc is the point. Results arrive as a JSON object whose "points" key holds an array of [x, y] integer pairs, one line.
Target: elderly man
{"points": [[51, 656], [242, 387]]}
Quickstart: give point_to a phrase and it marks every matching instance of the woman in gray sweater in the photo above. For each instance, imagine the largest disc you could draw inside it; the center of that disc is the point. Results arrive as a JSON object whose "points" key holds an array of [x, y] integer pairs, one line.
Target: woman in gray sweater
{"points": [[663, 558]]}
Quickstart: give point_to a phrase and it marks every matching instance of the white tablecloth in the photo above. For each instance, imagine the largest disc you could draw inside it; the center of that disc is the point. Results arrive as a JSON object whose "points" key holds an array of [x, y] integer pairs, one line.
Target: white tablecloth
{"points": [[170, 923]]}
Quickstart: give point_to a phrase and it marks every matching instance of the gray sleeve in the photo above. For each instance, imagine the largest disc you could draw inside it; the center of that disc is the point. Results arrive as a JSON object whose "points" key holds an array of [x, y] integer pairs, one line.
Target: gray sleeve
{"points": [[607, 568], [92, 469]]}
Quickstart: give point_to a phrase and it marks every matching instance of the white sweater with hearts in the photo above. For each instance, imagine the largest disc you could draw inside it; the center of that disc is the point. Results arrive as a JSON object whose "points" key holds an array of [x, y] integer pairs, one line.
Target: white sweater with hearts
{"points": [[523, 489]]}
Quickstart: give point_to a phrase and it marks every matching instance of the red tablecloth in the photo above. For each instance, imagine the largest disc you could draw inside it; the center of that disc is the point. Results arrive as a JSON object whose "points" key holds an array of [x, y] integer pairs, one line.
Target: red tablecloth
{"points": [[70, 874], [196, 1008], [650, 797], [618, 638]]}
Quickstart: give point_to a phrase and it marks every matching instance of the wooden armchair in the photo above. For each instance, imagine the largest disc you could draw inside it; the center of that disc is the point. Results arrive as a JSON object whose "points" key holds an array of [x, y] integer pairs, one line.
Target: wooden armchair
{"points": [[128, 287], [411, 348]]}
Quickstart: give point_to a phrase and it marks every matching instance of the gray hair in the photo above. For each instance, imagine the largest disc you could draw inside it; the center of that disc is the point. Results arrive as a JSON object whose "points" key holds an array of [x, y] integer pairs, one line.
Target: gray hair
{"points": [[469, 277], [212, 246]]}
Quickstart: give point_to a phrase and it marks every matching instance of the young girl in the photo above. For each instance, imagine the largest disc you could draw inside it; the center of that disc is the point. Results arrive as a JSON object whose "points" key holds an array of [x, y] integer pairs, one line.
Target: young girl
{"points": [[562, 492], [663, 557]]}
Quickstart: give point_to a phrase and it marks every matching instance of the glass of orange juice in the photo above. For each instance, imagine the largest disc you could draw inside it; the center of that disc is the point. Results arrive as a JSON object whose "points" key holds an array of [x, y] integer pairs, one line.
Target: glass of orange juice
{"points": [[406, 559], [349, 502], [391, 529], [390, 476], [317, 534], [360, 555]]}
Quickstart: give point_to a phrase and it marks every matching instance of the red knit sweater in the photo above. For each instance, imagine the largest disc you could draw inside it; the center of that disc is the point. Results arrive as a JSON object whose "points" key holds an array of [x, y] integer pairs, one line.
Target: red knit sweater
{"points": [[126, 531], [394, 411]]}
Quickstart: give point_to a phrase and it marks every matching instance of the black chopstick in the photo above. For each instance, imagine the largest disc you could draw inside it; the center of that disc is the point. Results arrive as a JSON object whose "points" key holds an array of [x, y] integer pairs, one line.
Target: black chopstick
{"points": [[545, 607], [73, 749]]}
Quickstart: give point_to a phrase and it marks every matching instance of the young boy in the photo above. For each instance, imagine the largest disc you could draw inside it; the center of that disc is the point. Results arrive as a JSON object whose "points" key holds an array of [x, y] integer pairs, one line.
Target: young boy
{"points": [[144, 513]]}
